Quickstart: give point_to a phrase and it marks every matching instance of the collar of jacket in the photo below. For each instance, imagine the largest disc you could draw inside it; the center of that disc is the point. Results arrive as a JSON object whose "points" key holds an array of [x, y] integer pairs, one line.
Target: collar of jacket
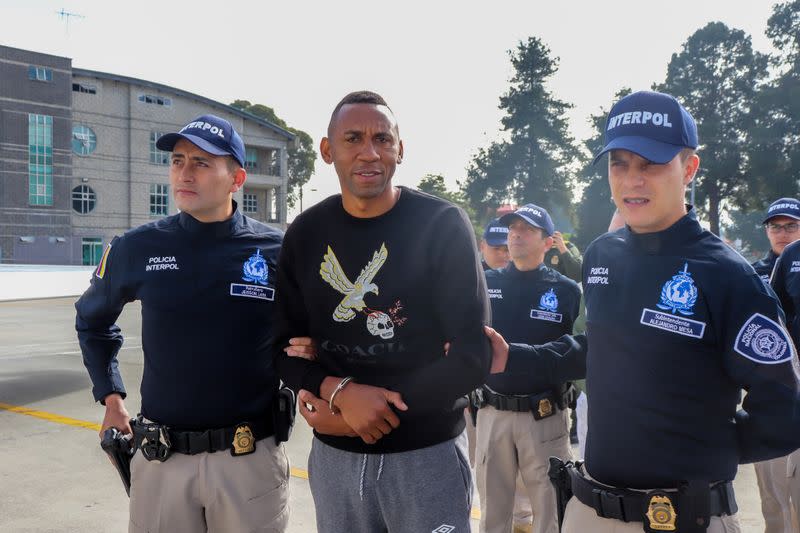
{"points": [[683, 231], [213, 230]]}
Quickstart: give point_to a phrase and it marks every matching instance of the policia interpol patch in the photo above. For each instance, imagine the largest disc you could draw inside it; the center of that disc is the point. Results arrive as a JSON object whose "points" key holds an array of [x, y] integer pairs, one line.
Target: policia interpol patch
{"points": [[764, 341]]}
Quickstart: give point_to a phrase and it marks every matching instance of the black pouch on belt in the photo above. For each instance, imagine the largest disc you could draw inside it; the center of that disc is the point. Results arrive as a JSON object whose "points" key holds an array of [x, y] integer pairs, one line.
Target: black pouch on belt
{"points": [[284, 408], [694, 501]]}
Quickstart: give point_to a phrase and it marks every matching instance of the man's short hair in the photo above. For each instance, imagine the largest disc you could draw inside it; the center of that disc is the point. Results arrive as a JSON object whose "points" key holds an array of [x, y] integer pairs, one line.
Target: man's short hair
{"points": [[357, 97], [686, 153], [233, 164]]}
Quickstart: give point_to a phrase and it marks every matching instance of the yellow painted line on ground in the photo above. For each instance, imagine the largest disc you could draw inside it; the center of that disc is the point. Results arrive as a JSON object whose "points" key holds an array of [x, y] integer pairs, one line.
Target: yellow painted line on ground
{"points": [[50, 417], [58, 419]]}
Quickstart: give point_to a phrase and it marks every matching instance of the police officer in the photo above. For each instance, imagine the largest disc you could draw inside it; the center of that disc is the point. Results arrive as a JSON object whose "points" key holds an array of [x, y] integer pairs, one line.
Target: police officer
{"points": [[208, 458], [784, 498], [524, 420], [564, 257], [782, 229], [781, 226], [678, 324], [494, 248]]}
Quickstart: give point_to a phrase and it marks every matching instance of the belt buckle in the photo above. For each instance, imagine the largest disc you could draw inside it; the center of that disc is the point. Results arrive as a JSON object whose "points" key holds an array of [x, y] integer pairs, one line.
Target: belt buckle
{"points": [[660, 513], [244, 442]]}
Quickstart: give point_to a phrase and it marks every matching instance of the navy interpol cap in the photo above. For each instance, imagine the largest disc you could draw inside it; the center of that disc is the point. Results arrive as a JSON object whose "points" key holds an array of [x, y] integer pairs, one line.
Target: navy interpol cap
{"points": [[650, 124], [534, 215], [210, 133], [783, 207], [496, 234]]}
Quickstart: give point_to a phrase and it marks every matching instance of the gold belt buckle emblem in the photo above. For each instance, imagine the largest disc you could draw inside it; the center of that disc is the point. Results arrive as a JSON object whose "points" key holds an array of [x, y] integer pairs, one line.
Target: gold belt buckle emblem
{"points": [[545, 408], [244, 441], [661, 513]]}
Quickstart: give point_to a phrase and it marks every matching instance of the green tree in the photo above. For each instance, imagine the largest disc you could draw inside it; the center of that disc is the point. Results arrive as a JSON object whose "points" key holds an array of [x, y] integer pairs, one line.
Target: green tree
{"points": [[746, 226], [715, 76], [301, 156], [775, 146], [433, 184], [594, 211], [533, 162]]}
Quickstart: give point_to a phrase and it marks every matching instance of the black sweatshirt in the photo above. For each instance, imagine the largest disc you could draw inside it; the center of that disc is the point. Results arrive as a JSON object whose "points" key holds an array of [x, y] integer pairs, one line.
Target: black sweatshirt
{"points": [[207, 294], [381, 296]]}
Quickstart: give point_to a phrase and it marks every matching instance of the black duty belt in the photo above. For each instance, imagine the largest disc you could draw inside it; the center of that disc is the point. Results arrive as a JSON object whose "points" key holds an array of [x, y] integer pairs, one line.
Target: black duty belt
{"points": [[650, 506], [239, 439], [542, 405]]}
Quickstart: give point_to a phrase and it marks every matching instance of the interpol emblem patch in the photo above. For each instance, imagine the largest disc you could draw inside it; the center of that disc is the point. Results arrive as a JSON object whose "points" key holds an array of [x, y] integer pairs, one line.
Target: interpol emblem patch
{"points": [[764, 341], [255, 269]]}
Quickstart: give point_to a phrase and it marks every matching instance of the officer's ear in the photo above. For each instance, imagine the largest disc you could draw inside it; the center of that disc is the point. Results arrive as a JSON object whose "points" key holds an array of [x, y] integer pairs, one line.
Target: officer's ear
{"points": [[239, 177], [691, 162], [548, 241]]}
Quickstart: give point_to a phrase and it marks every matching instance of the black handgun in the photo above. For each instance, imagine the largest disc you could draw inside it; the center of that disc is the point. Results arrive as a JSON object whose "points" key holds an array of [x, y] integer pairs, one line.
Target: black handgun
{"points": [[120, 449]]}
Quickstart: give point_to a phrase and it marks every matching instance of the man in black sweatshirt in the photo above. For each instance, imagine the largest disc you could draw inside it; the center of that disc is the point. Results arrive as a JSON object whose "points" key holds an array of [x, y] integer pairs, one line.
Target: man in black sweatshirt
{"points": [[382, 277]]}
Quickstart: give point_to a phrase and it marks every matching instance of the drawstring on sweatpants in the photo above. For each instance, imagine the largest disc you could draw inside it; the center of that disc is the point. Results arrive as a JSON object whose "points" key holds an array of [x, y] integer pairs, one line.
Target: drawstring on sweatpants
{"points": [[380, 469], [361, 481], [363, 475]]}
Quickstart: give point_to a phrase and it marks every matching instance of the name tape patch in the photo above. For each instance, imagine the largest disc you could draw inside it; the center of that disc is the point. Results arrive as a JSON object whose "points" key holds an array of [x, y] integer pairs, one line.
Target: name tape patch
{"points": [[672, 323], [549, 316], [764, 341], [252, 291]]}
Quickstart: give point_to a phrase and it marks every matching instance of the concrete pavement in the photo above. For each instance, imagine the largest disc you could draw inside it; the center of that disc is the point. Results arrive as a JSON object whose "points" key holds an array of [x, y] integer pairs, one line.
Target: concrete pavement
{"points": [[53, 475]]}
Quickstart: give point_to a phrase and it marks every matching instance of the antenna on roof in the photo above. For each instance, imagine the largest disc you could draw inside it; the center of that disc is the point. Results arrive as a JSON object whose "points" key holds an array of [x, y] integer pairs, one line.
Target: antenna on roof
{"points": [[66, 15]]}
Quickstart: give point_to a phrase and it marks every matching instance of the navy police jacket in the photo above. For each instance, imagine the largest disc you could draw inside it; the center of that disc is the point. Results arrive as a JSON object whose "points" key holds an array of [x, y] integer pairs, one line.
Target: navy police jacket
{"points": [[207, 296], [530, 307], [678, 325], [786, 283], [764, 266]]}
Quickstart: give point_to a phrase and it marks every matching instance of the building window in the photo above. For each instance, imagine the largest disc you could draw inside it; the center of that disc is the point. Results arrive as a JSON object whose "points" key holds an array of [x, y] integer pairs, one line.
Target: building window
{"points": [[40, 159], [159, 198], [84, 88], [92, 248], [249, 203], [157, 100], [83, 199], [157, 157], [84, 141], [251, 159], [40, 73], [274, 162]]}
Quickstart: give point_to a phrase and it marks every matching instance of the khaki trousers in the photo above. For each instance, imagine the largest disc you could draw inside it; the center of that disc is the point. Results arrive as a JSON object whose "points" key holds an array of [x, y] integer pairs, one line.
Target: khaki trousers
{"points": [[773, 485], [580, 518], [509, 443], [214, 492], [793, 475]]}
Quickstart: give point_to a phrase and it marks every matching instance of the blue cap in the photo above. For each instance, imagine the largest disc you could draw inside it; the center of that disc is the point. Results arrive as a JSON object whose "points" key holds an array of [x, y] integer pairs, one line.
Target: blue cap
{"points": [[783, 207], [652, 125], [496, 234], [534, 215], [210, 133]]}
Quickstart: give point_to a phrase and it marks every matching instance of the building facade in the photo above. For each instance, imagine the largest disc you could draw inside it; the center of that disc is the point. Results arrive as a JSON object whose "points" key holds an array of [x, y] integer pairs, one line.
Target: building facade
{"points": [[78, 161]]}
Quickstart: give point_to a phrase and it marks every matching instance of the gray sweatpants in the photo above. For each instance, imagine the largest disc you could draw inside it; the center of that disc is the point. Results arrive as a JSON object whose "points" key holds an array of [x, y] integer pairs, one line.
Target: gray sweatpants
{"points": [[423, 490]]}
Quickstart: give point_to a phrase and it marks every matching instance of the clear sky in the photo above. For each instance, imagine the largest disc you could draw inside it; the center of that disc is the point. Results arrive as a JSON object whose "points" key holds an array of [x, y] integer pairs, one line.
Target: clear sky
{"points": [[441, 65]]}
